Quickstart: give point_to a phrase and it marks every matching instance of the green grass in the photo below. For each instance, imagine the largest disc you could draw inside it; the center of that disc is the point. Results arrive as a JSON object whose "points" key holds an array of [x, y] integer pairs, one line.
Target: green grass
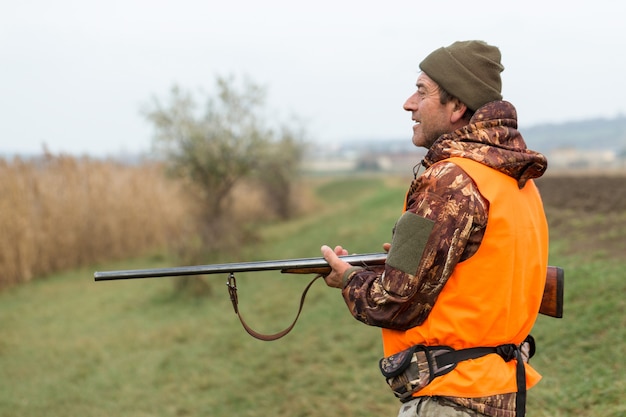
{"points": [[73, 347], [582, 355]]}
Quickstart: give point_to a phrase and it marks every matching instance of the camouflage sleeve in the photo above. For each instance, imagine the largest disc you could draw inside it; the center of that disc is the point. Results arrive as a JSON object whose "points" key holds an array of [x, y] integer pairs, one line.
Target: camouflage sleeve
{"points": [[390, 298]]}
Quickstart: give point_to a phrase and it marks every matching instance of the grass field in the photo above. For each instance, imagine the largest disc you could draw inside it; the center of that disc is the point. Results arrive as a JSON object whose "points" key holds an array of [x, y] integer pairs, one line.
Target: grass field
{"points": [[73, 347]]}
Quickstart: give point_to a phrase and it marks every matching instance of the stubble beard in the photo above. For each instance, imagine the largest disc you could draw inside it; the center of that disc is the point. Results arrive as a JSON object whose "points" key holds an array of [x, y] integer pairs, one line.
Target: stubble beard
{"points": [[425, 139]]}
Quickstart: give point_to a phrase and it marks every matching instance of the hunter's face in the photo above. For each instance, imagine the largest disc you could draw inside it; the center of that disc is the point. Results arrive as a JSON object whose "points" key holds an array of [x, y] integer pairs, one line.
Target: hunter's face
{"points": [[432, 119]]}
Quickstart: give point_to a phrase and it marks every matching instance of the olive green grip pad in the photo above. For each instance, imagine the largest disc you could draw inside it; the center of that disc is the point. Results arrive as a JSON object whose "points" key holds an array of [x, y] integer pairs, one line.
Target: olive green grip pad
{"points": [[410, 236]]}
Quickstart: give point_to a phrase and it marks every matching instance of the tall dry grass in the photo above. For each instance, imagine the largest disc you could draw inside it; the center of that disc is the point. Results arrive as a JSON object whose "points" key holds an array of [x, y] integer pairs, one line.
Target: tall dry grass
{"points": [[60, 212]]}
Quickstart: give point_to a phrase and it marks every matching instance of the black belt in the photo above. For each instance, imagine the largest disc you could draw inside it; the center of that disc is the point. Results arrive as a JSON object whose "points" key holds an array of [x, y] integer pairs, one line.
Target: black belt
{"points": [[507, 352]]}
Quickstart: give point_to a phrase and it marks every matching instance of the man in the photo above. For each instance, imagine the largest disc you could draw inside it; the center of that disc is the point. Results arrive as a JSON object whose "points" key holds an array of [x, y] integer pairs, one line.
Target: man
{"points": [[464, 276]]}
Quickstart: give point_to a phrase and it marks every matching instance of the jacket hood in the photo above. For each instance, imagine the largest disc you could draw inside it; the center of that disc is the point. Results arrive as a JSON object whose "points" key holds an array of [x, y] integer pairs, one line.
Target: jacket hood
{"points": [[492, 139]]}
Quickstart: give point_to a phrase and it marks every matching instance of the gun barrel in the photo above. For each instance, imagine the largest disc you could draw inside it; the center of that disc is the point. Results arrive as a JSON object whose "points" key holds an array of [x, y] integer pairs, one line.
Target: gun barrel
{"points": [[551, 303], [278, 265]]}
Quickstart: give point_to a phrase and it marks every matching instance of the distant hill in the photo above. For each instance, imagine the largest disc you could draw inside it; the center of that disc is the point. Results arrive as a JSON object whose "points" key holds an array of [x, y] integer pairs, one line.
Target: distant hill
{"points": [[605, 134]]}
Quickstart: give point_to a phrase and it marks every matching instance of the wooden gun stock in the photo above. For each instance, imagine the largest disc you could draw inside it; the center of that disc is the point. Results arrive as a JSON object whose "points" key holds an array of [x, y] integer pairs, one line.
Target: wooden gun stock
{"points": [[552, 301]]}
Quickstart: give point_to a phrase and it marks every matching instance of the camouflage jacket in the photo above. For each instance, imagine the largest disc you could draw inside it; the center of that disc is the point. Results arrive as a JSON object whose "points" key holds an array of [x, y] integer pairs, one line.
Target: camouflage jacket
{"points": [[389, 298]]}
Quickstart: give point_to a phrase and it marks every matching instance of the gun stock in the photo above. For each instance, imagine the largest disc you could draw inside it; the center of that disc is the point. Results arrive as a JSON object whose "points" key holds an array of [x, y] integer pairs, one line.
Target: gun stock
{"points": [[551, 303]]}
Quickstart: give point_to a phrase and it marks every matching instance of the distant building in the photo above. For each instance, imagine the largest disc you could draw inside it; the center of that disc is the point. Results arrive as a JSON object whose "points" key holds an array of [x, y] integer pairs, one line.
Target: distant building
{"points": [[393, 156], [583, 158]]}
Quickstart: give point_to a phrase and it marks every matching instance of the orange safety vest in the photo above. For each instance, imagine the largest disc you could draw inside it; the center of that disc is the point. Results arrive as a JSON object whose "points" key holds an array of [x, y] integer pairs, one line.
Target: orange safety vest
{"points": [[492, 298]]}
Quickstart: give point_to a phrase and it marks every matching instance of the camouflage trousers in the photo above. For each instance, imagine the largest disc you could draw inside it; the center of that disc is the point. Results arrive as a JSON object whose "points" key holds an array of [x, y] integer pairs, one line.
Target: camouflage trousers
{"points": [[435, 407]]}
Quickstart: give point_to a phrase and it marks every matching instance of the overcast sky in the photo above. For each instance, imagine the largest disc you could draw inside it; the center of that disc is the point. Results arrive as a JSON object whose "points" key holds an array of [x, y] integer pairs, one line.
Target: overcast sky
{"points": [[76, 73]]}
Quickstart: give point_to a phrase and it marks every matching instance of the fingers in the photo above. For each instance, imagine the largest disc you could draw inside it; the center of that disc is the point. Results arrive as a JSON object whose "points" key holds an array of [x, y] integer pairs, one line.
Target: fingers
{"points": [[386, 247], [339, 251], [338, 266], [332, 256], [329, 255]]}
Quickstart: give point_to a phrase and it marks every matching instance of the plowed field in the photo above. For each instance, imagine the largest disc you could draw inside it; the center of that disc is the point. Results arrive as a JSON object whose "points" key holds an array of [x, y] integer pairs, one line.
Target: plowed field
{"points": [[589, 212]]}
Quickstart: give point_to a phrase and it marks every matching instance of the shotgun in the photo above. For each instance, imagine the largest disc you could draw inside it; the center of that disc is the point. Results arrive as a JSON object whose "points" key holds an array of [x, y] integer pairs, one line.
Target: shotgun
{"points": [[551, 303]]}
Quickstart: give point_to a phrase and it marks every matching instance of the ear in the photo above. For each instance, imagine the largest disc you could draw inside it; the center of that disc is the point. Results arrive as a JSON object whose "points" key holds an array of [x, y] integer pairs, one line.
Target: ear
{"points": [[458, 111]]}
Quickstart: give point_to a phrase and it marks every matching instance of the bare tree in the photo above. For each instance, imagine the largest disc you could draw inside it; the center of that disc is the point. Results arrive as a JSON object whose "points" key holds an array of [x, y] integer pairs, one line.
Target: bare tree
{"points": [[277, 172], [225, 141]]}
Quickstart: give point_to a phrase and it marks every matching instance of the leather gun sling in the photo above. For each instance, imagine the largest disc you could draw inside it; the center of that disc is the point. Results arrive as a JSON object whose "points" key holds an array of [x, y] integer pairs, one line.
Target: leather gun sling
{"points": [[232, 290]]}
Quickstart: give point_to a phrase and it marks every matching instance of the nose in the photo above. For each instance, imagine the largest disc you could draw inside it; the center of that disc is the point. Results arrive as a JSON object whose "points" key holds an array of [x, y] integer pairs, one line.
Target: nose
{"points": [[411, 103]]}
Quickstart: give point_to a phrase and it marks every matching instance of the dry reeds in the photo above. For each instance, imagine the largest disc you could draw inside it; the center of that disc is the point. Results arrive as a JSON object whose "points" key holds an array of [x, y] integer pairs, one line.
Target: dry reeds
{"points": [[60, 212]]}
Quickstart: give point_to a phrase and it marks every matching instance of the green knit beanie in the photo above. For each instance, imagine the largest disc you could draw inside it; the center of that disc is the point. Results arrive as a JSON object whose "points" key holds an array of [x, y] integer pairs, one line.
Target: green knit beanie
{"points": [[469, 70]]}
